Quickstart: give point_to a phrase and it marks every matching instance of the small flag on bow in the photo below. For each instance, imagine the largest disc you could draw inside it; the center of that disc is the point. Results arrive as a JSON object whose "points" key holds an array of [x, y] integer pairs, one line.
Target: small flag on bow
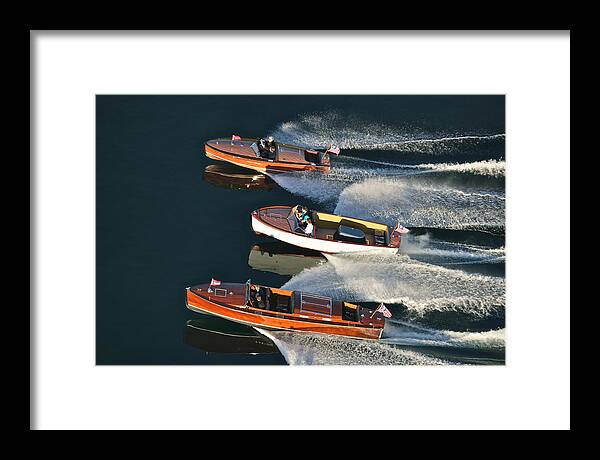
{"points": [[334, 149], [400, 229], [382, 308], [214, 282], [236, 138]]}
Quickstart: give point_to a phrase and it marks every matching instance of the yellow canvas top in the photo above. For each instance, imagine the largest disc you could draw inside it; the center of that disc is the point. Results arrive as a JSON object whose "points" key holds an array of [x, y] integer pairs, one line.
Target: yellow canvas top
{"points": [[337, 219]]}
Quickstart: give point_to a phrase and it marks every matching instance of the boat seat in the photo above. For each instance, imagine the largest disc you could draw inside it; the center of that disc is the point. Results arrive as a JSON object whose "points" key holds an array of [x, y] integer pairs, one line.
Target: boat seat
{"points": [[350, 234], [280, 303], [312, 156], [349, 312]]}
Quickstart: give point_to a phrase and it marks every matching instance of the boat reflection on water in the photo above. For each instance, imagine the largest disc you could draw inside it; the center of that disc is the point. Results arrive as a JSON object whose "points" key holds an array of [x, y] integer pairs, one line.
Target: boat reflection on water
{"points": [[233, 177], [216, 335], [282, 258]]}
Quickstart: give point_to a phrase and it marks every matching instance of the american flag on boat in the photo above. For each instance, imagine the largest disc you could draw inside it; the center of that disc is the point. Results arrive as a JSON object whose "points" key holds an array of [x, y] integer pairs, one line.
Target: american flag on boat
{"points": [[400, 229], [214, 282], [382, 308], [334, 149], [236, 138]]}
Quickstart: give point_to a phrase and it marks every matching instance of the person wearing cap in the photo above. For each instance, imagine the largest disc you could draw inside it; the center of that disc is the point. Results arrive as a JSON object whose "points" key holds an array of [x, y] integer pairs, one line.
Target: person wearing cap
{"points": [[267, 148]]}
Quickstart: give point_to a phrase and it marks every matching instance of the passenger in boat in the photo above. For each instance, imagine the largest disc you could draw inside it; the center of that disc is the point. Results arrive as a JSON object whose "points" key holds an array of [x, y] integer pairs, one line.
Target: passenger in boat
{"points": [[304, 221], [308, 230], [257, 299], [262, 147], [267, 148], [297, 212], [271, 144]]}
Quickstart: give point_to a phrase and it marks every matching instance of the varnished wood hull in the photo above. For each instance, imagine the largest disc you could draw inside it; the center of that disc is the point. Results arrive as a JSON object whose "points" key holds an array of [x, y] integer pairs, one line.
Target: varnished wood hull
{"points": [[280, 321], [261, 165]]}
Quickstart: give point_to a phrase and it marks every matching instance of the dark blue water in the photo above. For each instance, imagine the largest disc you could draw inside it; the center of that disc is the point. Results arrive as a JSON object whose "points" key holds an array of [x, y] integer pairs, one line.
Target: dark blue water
{"points": [[168, 217]]}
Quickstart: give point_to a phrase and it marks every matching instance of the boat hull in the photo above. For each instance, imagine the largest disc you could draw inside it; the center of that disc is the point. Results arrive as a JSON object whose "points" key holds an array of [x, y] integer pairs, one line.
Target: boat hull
{"points": [[260, 165], [327, 247], [280, 321]]}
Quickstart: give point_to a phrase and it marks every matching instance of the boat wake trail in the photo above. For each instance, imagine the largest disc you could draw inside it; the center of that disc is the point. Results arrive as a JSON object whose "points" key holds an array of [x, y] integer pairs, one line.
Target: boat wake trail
{"points": [[426, 194], [404, 333], [425, 249], [419, 202], [402, 344], [348, 132], [489, 168], [419, 287], [306, 348]]}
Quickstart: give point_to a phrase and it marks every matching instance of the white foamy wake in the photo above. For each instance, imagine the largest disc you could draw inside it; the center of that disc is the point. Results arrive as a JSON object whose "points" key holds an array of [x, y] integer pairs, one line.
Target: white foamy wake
{"points": [[446, 252], [398, 279], [403, 333], [321, 129], [323, 188], [490, 168], [389, 195], [301, 348], [416, 202]]}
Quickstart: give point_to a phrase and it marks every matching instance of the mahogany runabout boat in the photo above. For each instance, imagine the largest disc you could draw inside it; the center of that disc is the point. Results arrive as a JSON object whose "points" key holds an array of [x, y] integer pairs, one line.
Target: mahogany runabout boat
{"points": [[272, 308], [331, 234], [271, 156]]}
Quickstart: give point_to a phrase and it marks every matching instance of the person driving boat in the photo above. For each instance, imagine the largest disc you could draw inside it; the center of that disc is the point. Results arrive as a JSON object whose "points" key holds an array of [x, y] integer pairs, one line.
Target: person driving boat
{"points": [[267, 148], [271, 144], [304, 220], [257, 299]]}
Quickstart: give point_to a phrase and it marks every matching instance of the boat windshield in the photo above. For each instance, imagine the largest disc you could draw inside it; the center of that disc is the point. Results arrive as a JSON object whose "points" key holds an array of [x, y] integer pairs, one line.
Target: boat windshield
{"points": [[247, 292], [255, 148]]}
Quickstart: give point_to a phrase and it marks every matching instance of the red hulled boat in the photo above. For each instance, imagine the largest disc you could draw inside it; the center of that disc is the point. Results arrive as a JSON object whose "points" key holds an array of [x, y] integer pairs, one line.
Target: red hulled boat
{"points": [[281, 309], [268, 155]]}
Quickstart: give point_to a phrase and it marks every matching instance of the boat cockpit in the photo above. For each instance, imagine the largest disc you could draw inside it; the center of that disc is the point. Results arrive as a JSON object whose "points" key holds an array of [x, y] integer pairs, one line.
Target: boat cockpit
{"points": [[265, 148], [265, 298], [272, 150], [283, 301], [337, 228]]}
